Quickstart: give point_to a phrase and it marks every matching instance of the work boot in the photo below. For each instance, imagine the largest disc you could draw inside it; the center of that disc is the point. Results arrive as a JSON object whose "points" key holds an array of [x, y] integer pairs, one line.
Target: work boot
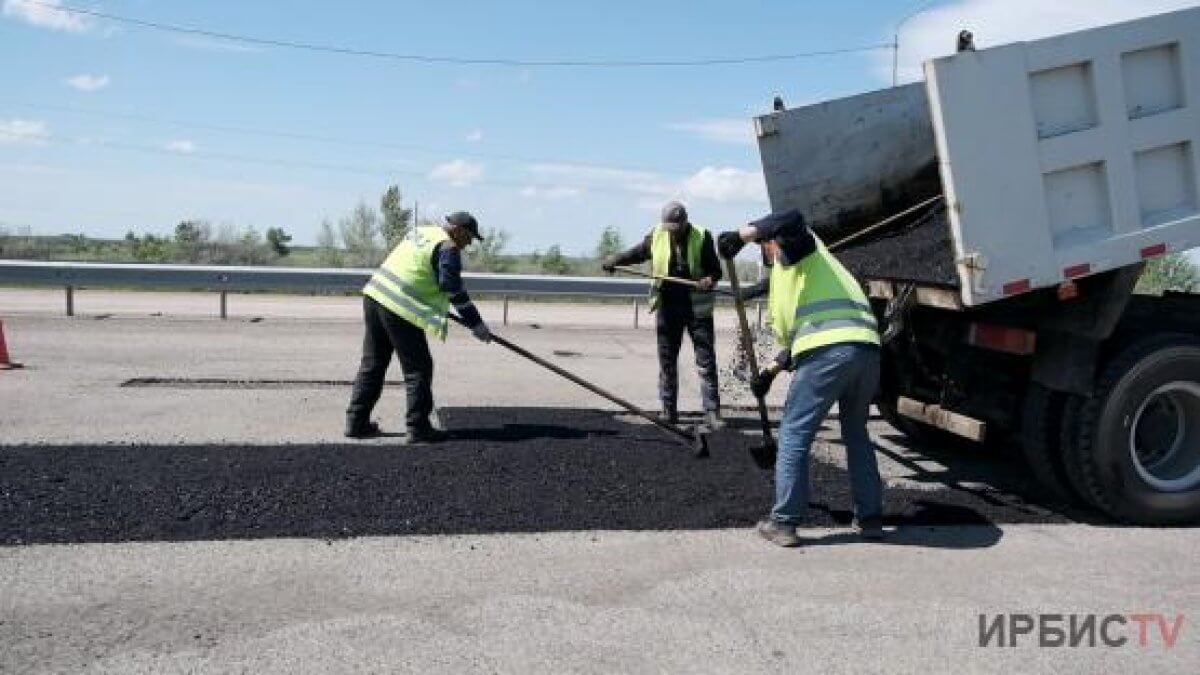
{"points": [[669, 414], [870, 529], [360, 429], [712, 420], [420, 435], [778, 533]]}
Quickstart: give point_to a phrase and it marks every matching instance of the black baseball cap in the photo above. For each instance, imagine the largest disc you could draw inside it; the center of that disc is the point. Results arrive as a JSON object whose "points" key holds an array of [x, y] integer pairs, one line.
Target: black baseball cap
{"points": [[465, 220], [674, 212]]}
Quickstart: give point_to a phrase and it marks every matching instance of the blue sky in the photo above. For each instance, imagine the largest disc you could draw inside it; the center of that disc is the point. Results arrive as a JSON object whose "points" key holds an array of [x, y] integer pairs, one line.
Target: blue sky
{"points": [[551, 155]]}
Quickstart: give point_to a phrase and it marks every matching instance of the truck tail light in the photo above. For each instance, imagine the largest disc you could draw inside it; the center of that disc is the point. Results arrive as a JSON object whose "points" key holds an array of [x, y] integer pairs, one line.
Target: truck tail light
{"points": [[1154, 251], [1004, 339], [1076, 271], [1017, 287]]}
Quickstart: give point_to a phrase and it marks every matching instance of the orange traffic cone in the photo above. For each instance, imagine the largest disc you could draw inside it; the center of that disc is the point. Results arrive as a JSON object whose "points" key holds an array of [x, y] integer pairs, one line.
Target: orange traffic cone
{"points": [[5, 362]]}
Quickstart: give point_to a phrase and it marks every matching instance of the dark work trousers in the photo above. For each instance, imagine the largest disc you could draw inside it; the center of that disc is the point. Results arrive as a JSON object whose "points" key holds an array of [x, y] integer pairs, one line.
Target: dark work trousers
{"points": [[387, 333], [671, 326]]}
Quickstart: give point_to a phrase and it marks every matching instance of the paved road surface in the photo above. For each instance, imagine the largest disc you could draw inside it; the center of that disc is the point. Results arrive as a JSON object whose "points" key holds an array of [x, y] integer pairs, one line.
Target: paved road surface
{"points": [[603, 548]]}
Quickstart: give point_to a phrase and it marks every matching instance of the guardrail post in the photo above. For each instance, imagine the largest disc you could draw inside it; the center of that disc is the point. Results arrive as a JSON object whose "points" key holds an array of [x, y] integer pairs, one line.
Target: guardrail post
{"points": [[224, 305], [70, 300], [506, 310], [636, 307]]}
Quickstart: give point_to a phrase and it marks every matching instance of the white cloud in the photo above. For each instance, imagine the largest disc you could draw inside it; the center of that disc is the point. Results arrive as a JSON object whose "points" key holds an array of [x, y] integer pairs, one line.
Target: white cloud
{"points": [[91, 140], [713, 184], [206, 44], [552, 192], [650, 204], [633, 180], [88, 82], [182, 146], [474, 135], [26, 169], [726, 184], [932, 33], [46, 14], [736, 131], [459, 173], [23, 131]]}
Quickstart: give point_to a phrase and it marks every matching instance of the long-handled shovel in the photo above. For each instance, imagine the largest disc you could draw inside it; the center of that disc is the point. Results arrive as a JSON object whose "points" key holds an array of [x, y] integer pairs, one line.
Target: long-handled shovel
{"points": [[696, 441], [764, 455], [672, 280]]}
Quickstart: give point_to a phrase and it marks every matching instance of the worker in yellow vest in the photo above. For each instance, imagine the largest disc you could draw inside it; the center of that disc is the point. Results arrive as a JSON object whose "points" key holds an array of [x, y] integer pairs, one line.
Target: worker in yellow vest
{"points": [[407, 297], [830, 339], [677, 248]]}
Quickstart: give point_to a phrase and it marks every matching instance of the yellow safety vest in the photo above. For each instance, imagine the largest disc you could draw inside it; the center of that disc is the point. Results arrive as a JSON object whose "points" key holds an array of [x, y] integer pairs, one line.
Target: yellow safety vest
{"points": [[660, 266], [816, 303], [407, 285]]}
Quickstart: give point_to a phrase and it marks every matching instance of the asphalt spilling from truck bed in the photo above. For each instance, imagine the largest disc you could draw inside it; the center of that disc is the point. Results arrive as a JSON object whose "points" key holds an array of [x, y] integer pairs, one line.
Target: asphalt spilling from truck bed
{"points": [[920, 251], [504, 470]]}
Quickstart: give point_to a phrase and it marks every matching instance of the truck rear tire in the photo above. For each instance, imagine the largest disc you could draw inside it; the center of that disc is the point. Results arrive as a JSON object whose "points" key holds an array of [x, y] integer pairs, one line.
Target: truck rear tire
{"points": [[1041, 442], [1069, 450], [1136, 442]]}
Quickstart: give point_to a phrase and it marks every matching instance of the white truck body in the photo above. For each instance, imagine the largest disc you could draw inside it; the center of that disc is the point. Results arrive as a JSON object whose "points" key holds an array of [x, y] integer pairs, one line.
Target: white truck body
{"points": [[1059, 158]]}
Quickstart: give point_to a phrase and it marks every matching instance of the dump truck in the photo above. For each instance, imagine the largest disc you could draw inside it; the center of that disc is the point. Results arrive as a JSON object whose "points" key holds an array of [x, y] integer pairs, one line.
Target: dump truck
{"points": [[1000, 214]]}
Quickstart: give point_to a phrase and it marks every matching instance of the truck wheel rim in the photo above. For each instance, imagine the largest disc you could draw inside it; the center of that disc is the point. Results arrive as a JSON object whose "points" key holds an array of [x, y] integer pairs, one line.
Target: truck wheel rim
{"points": [[1164, 439]]}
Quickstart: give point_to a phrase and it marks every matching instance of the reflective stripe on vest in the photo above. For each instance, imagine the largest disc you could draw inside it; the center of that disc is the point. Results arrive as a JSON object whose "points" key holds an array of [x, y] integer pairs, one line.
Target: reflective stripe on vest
{"points": [[826, 305], [816, 303], [819, 326], [660, 265], [404, 296], [406, 283]]}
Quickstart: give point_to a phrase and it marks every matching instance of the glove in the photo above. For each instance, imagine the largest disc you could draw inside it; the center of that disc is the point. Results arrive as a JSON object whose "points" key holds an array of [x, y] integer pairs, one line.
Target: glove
{"points": [[608, 266], [761, 384], [729, 244], [481, 332]]}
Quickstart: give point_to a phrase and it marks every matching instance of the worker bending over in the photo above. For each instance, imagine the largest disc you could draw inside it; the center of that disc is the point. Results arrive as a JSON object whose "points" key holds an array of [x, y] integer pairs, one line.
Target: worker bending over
{"points": [[821, 316], [677, 248], [408, 296]]}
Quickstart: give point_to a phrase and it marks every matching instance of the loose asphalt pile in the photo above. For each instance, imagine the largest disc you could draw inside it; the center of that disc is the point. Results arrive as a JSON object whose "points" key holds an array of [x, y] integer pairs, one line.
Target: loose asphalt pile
{"points": [[505, 470], [920, 251]]}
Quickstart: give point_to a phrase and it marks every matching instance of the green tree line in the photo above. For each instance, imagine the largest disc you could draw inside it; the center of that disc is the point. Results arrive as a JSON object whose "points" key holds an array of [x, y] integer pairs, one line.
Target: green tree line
{"points": [[193, 241], [1172, 272]]}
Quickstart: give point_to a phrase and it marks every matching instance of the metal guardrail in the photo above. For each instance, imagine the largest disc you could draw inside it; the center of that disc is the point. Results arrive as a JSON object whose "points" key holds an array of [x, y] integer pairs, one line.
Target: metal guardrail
{"points": [[292, 279], [224, 279]]}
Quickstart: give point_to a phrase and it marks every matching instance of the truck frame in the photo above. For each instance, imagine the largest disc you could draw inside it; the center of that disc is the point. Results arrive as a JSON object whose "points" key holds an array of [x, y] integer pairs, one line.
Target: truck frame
{"points": [[1062, 165]]}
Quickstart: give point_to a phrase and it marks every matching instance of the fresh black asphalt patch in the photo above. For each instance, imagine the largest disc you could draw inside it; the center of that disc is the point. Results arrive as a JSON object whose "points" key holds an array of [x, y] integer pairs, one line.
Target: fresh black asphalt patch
{"points": [[504, 470], [233, 383]]}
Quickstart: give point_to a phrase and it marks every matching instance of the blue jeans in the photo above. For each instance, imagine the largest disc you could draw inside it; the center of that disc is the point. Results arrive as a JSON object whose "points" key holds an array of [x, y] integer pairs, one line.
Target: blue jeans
{"points": [[847, 374]]}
